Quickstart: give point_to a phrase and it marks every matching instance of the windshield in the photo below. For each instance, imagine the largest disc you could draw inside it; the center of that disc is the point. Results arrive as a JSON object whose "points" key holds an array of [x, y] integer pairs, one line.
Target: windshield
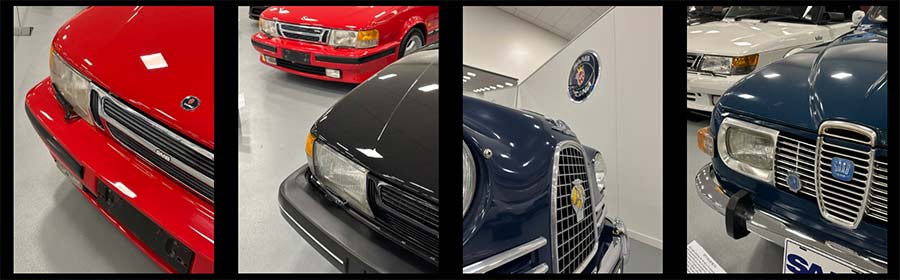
{"points": [[706, 10], [780, 13], [878, 14]]}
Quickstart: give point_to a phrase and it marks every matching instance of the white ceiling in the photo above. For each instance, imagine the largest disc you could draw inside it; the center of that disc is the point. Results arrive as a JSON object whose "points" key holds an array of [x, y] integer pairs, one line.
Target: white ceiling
{"points": [[567, 22]]}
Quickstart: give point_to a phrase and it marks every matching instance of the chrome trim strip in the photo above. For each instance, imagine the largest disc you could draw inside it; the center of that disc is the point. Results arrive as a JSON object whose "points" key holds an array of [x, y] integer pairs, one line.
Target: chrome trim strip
{"points": [[335, 257], [540, 269], [505, 257]]}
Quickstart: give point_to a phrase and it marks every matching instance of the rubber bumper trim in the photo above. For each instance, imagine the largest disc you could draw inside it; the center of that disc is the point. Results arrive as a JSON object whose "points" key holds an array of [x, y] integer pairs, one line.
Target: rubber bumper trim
{"points": [[352, 60], [264, 46], [336, 234]]}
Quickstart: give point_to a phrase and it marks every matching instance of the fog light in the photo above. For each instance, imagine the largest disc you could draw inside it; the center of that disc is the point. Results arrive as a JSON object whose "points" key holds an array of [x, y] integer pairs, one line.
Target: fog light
{"points": [[267, 59], [334, 73]]}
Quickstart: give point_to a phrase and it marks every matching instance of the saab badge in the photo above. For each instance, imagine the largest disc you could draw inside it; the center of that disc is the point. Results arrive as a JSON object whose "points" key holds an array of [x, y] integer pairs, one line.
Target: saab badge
{"points": [[577, 199], [190, 103], [842, 169], [793, 181], [583, 76], [163, 155]]}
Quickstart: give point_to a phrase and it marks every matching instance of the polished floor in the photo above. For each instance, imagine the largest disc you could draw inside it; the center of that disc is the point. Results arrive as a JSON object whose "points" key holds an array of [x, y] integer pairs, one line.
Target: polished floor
{"points": [[276, 110], [54, 228], [748, 254]]}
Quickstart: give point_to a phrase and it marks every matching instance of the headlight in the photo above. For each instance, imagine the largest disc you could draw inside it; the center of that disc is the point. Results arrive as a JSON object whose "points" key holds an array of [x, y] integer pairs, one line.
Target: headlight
{"points": [[341, 175], [353, 39], [729, 65], [268, 27], [468, 177], [74, 88], [748, 149], [599, 171]]}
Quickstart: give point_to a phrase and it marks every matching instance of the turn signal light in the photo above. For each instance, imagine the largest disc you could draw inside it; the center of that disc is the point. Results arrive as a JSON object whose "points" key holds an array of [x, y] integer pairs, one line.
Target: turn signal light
{"points": [[310, 139], [744, 64], [705, 141], [367, 35]]}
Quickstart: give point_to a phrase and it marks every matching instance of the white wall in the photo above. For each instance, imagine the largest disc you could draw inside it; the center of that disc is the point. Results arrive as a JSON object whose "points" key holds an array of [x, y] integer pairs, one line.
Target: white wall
{"points": [[623, 116], [515, 48]]}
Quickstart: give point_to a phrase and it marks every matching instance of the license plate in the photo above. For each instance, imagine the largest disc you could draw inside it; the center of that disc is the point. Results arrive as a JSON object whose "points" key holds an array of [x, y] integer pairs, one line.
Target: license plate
{"points": [[801, 259], [293, 56]]}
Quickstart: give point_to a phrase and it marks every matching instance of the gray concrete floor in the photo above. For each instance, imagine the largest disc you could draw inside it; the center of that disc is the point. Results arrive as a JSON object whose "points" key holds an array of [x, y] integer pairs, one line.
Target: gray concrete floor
{"points": [[54, 228], [643, 258], [748, 254], [276, 110]]}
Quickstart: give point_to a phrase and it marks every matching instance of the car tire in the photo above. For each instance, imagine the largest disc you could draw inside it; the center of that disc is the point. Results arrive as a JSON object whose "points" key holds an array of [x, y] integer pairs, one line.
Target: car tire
{"points": [[413, 40]]}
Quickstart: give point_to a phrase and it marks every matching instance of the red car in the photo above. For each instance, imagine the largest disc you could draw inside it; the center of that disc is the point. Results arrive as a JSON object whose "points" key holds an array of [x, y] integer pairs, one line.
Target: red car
{"points": [[127, 114], [342, 44]]}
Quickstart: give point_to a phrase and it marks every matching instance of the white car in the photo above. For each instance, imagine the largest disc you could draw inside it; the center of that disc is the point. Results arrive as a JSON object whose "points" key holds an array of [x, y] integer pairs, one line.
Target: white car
{"points": [[722, 52]]}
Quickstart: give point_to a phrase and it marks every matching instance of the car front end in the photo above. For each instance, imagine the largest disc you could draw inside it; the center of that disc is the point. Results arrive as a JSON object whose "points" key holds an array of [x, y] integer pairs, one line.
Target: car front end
{"points": [[341, 44], [533, 197], [367, 199], [800, 159], [116, 125]]}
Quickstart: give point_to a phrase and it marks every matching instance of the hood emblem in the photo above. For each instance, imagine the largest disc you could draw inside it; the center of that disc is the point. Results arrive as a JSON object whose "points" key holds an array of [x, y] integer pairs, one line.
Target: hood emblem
{"points": [[190, 103], [583, 76], [577, 199], [842, 169], [793, 181]]}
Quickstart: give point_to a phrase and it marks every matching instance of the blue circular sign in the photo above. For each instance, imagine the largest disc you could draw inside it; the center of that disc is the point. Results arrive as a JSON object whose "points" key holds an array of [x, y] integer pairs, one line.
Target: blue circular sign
{"points": [[583, 76]]}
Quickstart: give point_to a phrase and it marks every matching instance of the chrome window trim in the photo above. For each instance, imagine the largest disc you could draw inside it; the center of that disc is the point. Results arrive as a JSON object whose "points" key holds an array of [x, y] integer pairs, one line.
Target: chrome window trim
{"points": [[740, 166], [823, 210], [104, 96], [553, 219], [505, 257]]}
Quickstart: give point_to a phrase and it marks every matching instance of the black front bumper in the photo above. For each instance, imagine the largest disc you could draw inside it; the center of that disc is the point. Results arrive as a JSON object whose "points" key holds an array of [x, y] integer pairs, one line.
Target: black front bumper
{"points": [[337, 235]]}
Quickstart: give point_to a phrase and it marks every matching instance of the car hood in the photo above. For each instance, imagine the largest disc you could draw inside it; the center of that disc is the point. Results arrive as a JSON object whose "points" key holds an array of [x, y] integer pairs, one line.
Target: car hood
{"points": [[844, 80], [389, 123], [735, 38], [109, 45], [352, 17]]}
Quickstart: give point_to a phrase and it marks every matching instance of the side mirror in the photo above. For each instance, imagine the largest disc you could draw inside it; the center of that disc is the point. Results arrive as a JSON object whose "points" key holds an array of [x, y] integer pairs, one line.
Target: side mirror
{"points": [[857, 17], [834, 16]]}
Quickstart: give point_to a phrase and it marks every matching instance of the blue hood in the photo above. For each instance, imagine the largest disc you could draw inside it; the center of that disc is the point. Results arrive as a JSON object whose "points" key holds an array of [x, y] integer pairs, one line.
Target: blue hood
{"points": [[843, 80]]}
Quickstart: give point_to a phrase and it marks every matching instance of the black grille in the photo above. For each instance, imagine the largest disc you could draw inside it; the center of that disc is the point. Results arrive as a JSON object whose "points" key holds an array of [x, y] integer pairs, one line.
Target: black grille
{"points": [[411, 219], [574, 240], [305, 68], [416, 208], [304, 33], [167, 147]]}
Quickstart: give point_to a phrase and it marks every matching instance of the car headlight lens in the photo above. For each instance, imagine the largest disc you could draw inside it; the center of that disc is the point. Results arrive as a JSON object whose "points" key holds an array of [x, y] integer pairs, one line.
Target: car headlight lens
{"points": [[268, 27], [748, 149], [74, 88], [341, 175], [353, 39], [729, 65], [599, 171], [468, 177]]}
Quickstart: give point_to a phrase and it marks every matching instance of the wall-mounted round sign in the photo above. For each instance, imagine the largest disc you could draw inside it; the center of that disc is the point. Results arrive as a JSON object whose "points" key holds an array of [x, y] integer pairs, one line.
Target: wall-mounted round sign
{"points": [[583, 76]]}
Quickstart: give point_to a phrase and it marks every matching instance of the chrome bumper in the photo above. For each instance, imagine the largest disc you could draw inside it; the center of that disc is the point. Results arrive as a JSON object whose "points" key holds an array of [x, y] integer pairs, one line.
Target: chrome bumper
{"points": [[776, 230]]}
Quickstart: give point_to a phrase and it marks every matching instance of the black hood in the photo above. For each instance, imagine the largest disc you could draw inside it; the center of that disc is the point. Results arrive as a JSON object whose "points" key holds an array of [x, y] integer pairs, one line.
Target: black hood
{"points": [[389, 123]]}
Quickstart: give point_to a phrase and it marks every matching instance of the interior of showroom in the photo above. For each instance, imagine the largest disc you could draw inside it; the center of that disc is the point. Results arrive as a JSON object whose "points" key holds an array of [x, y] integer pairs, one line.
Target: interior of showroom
{"points": [[620, 119]]}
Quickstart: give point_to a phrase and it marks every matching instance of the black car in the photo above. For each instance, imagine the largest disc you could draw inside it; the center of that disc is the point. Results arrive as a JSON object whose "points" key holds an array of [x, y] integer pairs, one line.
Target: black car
{"points": [[368, 199], [703, 14], [255, 11]]}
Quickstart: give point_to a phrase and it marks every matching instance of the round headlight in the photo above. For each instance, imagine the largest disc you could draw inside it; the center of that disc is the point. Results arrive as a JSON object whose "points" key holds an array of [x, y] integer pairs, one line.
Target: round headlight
{"points": [[599, 170], [468, 177]]}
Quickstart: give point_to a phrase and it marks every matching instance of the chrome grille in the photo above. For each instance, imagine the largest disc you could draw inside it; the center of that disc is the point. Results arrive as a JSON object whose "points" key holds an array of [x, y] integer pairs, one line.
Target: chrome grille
{"points": [[877, 203], [303, 32], [844, 202], [176, 156], [574, 241]]}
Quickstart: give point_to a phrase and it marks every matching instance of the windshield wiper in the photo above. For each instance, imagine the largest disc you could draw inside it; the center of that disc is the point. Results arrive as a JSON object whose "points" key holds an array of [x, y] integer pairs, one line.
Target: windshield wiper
{"points": [[784, 17]]}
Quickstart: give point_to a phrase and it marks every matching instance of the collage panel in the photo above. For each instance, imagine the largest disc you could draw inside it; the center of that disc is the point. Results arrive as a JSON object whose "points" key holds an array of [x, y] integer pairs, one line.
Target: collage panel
{"points": [[556, 179], [338, 134], [120, 119], [789, 132]]}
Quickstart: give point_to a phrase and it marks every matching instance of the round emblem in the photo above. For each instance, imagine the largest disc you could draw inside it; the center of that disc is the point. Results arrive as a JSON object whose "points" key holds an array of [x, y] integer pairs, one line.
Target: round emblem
{"points": [[793, 181], [190, 103], [577, 199], [583, 76]]}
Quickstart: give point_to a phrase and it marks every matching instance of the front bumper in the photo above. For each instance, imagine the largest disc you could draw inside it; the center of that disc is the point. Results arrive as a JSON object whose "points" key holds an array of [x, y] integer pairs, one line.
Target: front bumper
{"points": [[769, 226], [337, 235], [704, 90], [166, 221], [354, 65]]}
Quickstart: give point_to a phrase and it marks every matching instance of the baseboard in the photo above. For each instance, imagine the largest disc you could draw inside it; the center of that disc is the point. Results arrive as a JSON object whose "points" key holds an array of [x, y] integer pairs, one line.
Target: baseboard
{"points": [[646, 239]]}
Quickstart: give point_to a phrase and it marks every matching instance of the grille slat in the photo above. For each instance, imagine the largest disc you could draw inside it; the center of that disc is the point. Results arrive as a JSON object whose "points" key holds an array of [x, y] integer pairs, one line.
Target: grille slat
{"points": [[303, 32], [176, 156], [574, 240], [413, 219]]}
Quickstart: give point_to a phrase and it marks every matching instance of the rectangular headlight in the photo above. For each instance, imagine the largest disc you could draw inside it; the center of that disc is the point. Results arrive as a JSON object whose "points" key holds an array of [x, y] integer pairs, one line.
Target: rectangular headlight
{"points": [[716, 64], [353, 39], [748, 148], [342, 176], [268, 27], [74, 88]]}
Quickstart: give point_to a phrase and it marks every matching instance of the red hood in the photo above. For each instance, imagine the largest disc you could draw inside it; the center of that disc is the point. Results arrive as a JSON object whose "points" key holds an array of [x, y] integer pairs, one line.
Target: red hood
{"points": [[352, 18], [106, 44]]}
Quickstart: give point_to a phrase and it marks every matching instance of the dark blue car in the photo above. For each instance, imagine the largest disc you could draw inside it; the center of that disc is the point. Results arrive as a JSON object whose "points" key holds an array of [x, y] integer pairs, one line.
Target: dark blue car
{"points": [[533, 197], [799, 154]]}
